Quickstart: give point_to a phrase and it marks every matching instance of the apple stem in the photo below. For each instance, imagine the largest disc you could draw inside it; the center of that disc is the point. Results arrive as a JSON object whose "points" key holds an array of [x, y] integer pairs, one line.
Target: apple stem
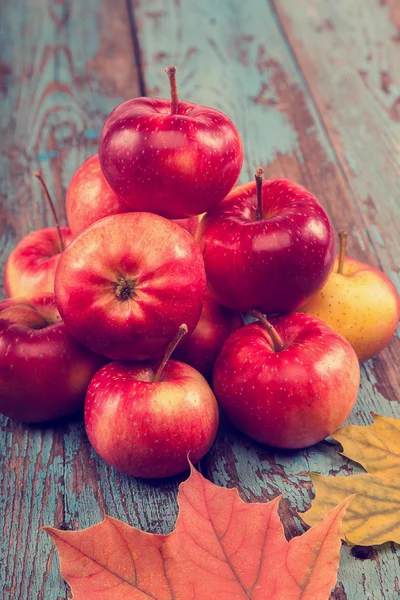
{"points": [[181, 332], [274, 335], [259, 176], [171, 72], [51, 205], [342, 250]]}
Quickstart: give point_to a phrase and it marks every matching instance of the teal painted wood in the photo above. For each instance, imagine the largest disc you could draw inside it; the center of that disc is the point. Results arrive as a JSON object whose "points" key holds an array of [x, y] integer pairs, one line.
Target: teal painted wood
{"points": [[64, 67], [234, 56], [31, 494], [69, 63], [355, 84]]}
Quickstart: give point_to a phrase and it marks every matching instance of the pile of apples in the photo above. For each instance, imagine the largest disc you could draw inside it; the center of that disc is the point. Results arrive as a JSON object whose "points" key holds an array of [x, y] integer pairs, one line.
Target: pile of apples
{"points": [[135, 311]]}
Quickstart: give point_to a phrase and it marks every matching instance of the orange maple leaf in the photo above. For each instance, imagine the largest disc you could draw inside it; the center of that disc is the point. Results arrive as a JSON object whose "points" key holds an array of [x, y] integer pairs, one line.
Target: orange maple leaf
{"points": [[221, 548]]}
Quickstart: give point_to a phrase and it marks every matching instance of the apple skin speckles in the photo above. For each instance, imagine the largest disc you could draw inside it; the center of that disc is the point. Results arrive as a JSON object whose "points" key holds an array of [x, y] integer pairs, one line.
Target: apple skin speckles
{"points": [[361, 304], [44, 371], [126, 284], [273, 264], [288, 399], [90, 198], [147, 429], [30, 268], [174, 165], [201, 349]]}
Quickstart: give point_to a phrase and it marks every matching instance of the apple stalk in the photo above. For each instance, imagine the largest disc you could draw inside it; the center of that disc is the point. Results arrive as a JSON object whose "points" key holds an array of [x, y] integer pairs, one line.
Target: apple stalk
{"points": [[274, 335], [171, 72], [46, 192], [342, 251], [259, 176], [173, 344]]}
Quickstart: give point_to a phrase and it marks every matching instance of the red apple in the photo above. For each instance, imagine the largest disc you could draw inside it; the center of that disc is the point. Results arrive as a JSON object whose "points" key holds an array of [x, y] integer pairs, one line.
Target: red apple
{"points": [[268, 245], [170, 157], [288, 383], [125, 284], [90, 198], [31, 266], [44, 371], [144, 419], [215, 325]]}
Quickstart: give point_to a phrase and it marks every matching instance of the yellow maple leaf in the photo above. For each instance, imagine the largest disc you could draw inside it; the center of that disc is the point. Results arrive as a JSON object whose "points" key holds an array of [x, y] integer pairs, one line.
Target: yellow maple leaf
{"points": [[373, 516]]}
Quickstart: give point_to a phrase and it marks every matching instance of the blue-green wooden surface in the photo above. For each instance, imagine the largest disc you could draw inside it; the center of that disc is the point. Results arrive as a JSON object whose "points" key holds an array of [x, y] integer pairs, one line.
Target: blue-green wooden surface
{"points": [[314, 88]]}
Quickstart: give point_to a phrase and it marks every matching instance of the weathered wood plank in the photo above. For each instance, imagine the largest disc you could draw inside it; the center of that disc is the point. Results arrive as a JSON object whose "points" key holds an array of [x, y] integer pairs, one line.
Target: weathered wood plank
{"points": [[80, 74], [64, 67], [31, 488], [31, 474], [355, 86], [235, 57]]}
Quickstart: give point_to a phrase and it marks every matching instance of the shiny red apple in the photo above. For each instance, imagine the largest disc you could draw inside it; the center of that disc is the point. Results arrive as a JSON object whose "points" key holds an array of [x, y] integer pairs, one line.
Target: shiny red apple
{"points": [[268, 246], [288, 383], [174, 158], [44, 371], [215, 325], [145, 418], [90, 198], [125, 284], [31, 266]]}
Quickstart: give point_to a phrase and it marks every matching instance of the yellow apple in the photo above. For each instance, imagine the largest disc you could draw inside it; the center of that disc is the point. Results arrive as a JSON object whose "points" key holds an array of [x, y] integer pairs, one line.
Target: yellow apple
{"points": [[359, 302]]}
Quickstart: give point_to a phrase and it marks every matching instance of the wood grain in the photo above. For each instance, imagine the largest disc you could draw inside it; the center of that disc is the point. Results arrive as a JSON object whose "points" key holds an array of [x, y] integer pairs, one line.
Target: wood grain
{"points": [[236, 57], [53, 99], [355, 86], [31, 493], [63, 66]]}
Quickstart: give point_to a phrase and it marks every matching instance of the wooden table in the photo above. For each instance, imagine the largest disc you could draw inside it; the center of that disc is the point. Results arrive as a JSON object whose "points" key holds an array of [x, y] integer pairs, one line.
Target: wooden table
{"points": [[314, 88]]}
